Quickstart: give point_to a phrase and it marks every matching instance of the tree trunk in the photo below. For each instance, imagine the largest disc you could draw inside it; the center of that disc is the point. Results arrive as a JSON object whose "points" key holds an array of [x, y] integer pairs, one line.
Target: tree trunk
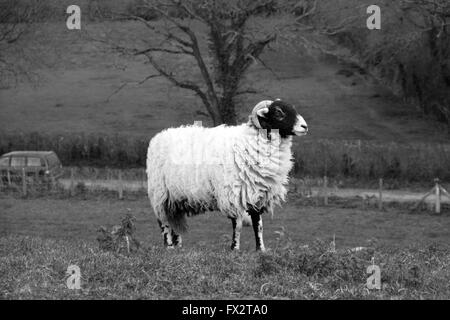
{"points": [[215, 114], [228, 110]]}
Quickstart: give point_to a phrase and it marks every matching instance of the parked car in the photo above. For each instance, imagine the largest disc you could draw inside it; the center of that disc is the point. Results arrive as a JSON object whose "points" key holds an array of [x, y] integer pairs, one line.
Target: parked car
{"points": [[40, 165]]}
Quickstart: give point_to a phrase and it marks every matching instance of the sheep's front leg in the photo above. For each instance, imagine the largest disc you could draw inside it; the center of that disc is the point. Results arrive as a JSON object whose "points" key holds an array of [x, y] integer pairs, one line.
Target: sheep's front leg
{"points": [[237, 227], [257, 228]]}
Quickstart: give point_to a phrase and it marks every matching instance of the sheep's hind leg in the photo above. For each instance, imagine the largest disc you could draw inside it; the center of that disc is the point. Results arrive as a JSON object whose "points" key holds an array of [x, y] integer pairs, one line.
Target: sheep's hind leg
{"points": [[237, 227], [166, 233], [257, 228], [176, 239]]}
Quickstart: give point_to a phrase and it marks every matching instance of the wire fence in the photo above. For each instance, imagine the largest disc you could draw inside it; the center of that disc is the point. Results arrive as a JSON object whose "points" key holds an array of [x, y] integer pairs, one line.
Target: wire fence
{"points": [[323, 191], [27, 183], [75, 181]]}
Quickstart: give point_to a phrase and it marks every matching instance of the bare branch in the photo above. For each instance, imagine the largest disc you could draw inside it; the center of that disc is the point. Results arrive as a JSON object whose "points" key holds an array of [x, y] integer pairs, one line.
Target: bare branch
{"points": [[252, 50], [307, 13], [268, 68], [148, 50], [342, 26], [123, 85], [247, 91], [180, 26], [186, 9], [186, 85], [182, 84], [211, 93], [164, 33], [149, 77]]}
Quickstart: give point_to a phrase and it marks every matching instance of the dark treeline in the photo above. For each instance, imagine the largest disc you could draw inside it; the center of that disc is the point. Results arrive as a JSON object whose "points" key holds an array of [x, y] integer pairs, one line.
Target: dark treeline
{"points": [[363, 160], [82, 150], [410, 54]]}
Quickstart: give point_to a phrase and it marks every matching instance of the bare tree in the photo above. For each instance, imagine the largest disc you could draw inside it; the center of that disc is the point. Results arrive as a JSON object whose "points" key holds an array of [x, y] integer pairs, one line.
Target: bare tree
{"points": [[231, 47], [411, 55], [435, 14], [427, 80]]}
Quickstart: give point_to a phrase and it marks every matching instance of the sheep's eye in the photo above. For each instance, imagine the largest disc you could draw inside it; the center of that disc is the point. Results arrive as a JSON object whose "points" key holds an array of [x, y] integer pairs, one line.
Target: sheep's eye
{"points": [[279, 114]]}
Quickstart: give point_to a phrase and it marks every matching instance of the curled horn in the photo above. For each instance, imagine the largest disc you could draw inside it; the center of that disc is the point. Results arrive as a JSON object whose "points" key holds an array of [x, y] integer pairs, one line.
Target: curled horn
{"points": [[260, 110]]}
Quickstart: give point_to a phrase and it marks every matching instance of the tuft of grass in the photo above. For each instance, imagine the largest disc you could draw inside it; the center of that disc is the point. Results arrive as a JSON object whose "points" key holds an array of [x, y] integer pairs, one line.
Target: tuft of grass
{"points": [[119, 236], [33, 268]]}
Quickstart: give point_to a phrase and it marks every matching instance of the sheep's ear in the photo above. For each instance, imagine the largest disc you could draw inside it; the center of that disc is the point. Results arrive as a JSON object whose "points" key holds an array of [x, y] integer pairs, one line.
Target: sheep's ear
{"points": [[262, 112]]}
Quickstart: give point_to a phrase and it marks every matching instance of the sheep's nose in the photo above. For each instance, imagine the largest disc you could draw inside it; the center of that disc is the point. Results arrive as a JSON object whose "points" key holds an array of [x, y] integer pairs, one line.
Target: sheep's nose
{"points": [[300, 128]]}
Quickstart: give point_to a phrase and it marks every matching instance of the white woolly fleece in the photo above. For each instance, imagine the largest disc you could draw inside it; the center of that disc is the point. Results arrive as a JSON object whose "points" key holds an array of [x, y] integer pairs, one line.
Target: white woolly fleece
{"points": [[227, 167]]}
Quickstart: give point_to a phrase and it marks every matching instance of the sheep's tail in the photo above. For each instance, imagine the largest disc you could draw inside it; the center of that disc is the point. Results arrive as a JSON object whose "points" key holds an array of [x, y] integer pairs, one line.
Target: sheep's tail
{"points": [[165, 211]]}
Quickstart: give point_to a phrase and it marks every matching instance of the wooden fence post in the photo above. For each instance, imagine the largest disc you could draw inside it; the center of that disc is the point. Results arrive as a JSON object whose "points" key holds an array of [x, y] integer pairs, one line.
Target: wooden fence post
{"points": [[325, 190], [72, 181], [438, 197], [380, 198], [120, 186], [52, 183], [24, 182]]}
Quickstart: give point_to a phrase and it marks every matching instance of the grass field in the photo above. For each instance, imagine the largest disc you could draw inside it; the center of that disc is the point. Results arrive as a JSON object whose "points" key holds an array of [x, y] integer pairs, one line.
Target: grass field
{"points": [[79, 219], [41, 237]]}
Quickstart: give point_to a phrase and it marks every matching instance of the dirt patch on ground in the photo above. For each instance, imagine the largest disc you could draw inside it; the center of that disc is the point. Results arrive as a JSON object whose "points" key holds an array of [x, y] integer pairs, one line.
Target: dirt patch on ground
{"points": [[400, 196]]}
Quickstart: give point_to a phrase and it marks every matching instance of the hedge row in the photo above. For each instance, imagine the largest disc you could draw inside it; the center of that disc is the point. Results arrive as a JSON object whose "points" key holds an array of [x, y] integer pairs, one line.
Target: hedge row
{"points": [[335, 158]]}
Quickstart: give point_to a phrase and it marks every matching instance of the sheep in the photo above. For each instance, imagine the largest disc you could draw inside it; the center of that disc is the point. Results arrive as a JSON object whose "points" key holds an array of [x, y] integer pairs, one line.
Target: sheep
{"points": [[241, 171]]}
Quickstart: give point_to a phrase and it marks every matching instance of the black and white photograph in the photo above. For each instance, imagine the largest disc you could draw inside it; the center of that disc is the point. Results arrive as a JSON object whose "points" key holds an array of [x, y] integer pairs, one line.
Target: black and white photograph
{"points": [[195, 152]]}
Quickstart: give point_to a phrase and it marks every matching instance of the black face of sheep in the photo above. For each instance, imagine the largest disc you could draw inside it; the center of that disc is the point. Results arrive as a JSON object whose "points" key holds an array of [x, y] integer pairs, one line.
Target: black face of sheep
{"points": [[282, 116]]}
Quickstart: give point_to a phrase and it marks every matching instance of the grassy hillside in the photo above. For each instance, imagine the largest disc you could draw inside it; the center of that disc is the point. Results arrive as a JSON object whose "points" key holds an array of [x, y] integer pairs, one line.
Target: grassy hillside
{"points": [[77, 81]]}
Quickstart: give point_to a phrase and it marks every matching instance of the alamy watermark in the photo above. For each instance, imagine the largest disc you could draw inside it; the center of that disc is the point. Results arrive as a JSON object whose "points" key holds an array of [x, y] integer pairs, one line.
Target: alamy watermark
{"points": [[374, 20], [74, 280], [264, 149], [73, 22], [374, 280]]}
